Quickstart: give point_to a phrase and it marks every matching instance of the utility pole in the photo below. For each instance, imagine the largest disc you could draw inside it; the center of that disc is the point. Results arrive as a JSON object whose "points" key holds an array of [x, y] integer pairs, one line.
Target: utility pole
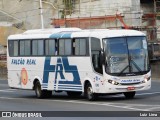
{"points": [[41, 13]]}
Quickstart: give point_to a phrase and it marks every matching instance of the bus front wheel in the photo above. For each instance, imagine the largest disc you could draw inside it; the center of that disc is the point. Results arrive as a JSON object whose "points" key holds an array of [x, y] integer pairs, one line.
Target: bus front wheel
{"points": [[41, 93], [89, 93], [129, 95]]}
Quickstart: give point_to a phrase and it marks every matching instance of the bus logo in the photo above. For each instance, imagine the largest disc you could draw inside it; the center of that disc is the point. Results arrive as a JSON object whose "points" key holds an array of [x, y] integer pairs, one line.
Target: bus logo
{"points": [[61, 68]]}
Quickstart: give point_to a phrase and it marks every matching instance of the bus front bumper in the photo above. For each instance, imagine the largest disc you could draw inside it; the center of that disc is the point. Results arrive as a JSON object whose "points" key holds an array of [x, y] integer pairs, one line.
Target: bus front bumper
{"points": [[110, 88]]}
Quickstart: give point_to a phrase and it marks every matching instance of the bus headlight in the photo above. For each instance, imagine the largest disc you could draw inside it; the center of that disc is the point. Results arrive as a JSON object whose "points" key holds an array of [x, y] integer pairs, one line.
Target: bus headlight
{"points": [[146, 79], [113, 82]]}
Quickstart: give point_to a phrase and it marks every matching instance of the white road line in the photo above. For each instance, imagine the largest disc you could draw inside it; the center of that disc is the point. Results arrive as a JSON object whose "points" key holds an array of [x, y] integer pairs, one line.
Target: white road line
{"points": [[125, 106], [137, 105], [8, 90], [100, 104], [81, 102], [148, 93], [154, 108], [139, 94]]}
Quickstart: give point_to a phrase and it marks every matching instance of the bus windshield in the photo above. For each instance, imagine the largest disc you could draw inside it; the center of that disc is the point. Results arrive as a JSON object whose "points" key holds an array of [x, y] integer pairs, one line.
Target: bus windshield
{"points": [[126, 55]]}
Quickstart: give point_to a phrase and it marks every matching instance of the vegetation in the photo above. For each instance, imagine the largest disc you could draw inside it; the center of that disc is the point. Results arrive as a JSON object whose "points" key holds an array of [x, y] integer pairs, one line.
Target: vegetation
{"points": [[68, 8]]}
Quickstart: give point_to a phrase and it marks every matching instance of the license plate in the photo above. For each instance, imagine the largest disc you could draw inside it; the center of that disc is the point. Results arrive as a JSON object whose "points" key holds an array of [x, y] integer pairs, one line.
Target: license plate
{"points": [[131, 88]]}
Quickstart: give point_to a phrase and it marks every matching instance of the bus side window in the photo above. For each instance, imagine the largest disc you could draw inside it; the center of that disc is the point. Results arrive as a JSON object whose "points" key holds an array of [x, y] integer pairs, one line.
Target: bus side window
{"points": [[38, 47], [13, 48], [50, 47], [80, 47], [95, 52], [65, 47], [25, 47]]}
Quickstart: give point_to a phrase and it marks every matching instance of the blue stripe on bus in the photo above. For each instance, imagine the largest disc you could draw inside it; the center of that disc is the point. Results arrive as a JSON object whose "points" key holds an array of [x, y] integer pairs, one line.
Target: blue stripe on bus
{"points": [[61, 35], [66, 35], [70, 85], [44, 84], [56, 35], [60, 88]]}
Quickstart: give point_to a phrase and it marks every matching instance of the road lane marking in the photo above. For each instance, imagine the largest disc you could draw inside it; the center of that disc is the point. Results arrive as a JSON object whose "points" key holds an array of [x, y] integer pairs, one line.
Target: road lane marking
{"points": [[110, 104], [138, 105], [148, 93], [154, 108], [8, 90], [82, 102], [139, 94]]}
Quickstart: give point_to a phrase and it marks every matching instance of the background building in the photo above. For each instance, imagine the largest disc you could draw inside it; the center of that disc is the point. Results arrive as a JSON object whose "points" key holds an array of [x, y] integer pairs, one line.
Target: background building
{"points": [[17, 16], [133, 14]]}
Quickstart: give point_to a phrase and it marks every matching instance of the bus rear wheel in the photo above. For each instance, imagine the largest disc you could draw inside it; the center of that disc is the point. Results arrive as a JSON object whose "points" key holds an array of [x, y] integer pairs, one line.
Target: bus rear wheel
{"points": [[89, 93], [41, 93], [129, 95]]}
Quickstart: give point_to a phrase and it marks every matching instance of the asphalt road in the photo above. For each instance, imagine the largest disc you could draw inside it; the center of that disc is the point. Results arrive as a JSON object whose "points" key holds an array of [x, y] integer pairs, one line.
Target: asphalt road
{"points": [[25, 100]]}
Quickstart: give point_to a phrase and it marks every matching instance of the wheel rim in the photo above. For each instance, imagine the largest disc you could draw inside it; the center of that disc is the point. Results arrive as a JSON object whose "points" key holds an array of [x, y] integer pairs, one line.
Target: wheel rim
{"points": [[38, 90], [90, 92]]}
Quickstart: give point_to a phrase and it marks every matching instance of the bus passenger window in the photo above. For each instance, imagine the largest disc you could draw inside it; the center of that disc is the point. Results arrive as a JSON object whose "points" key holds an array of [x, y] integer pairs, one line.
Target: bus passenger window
{"points": [[13, 48], [95, 51], [50, 47], [22, 48], [40, 47], [37, 47], [80, 47], [34, 47], [25, 48], [65, 47]]}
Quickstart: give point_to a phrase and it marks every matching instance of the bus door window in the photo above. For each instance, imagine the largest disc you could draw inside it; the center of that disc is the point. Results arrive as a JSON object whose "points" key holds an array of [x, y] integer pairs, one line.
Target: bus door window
{"points": [[95, 54]]}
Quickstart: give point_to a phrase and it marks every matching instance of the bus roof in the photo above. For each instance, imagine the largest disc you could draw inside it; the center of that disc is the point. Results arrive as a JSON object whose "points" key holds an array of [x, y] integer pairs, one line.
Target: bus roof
{"points": [[107, 33], [41, 33], [74, 33]]}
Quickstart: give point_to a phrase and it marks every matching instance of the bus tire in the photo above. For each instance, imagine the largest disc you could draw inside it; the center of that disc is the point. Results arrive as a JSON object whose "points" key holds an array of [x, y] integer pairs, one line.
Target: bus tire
{"points": [[129, 95], [41, 93], [89, 93], [47, 93], [73, 94]]}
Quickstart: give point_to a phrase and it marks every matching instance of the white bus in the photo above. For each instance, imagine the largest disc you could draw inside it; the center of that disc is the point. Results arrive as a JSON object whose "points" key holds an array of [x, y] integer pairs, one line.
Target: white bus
{"points": [[92, 62]]}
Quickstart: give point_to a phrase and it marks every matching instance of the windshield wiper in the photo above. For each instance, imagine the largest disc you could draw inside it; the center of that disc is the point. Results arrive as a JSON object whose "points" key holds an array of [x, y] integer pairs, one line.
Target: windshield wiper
{"points": [[123, 70], [138, 68]]}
